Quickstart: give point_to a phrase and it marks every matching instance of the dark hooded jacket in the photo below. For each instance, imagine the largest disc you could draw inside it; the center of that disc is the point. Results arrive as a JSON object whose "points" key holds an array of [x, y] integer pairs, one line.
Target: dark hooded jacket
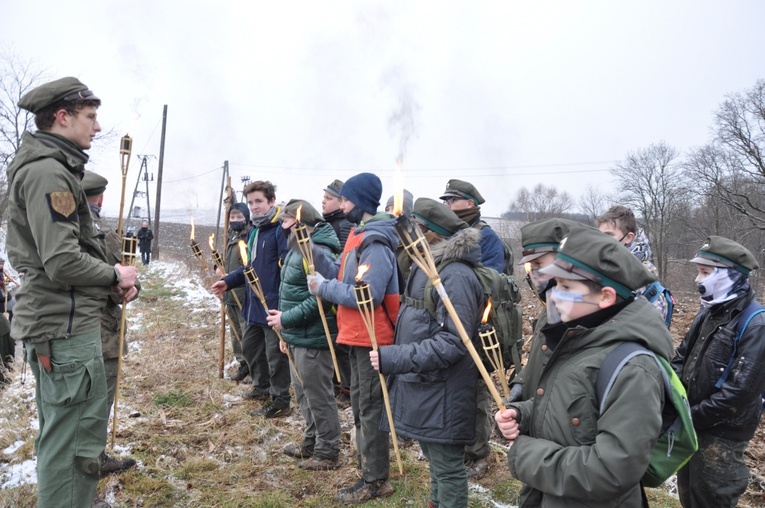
{"points": [[300, 314], [731, 411], [433, 377], [570, 455], [340, 224]]}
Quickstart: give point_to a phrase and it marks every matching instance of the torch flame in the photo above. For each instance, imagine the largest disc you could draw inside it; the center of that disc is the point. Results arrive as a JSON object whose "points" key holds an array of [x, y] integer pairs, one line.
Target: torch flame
{"points": [[360, 273], [243, 251], [398, 193], [527, 266], [211, 241], [299, 210], [192, 228], [486, 312]]}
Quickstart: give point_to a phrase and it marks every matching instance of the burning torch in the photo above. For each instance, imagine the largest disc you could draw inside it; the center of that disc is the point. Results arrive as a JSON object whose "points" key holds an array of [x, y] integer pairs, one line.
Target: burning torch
{"points": [[254, 281], [304, 244], [491, 347], [367, 310], [223, 311]]}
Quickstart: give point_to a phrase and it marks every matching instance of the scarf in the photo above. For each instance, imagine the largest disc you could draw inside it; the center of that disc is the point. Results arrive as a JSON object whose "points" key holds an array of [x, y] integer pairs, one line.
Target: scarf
{"points": [[640, 247], [722, 285], [470, 215]]}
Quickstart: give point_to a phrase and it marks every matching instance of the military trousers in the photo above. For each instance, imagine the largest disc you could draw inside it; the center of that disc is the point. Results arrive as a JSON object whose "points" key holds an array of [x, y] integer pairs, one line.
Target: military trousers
{"points": [[372, 444], [269, 367], [72, 413], [716, 475], [483, 424], [448, 477], [236, 327], [110, 369], [316, 401], [7, 354]]}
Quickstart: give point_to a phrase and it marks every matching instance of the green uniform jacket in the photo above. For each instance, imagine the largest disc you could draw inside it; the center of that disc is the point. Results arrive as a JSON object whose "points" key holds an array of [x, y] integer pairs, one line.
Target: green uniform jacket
{"points": [[232, 262], [539, 354], [568, 453], [300, 313], [53, 242]]}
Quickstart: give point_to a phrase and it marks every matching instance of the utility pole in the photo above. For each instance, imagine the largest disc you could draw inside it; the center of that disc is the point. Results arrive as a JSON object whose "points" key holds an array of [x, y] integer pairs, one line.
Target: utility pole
{"points": [[220, 202], [155, 247], [143, 173]]}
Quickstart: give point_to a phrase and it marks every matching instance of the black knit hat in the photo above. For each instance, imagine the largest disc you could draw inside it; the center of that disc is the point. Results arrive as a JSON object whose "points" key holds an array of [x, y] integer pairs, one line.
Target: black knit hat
{"points": [[242, 208], [719, 251], [437, 217], [364, 191]]}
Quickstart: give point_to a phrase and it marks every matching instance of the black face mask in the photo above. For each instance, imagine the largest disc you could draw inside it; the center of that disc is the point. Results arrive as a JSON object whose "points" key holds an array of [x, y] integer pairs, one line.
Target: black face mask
{"points": [[355, 215], [237, 225]]}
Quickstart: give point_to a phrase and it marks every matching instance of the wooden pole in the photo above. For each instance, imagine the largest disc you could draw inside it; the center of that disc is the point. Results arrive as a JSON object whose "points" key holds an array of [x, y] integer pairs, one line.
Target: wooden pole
{"points": [[158, 200]]}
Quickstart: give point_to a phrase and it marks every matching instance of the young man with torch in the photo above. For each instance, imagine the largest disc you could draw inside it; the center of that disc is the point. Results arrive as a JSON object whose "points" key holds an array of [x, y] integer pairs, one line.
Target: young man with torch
{"points": [[372, 242], [433, 392], [303, 330], [52, 242], [94, 186]]}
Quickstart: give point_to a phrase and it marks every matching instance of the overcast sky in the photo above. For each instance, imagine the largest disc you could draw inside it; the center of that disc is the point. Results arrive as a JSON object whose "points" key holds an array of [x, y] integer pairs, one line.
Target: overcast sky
{"points": [[504, 94]]}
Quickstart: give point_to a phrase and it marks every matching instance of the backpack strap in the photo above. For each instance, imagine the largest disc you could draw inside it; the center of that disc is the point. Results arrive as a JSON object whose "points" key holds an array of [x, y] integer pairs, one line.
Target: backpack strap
{"points": [[366, 242], [612, 365], [742, 322], [653, 291]]}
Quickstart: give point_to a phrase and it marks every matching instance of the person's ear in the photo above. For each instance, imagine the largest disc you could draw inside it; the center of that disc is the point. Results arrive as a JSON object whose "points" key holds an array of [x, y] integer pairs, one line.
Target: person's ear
{"points": [[608, 297], [630, 237], [61, 117]]}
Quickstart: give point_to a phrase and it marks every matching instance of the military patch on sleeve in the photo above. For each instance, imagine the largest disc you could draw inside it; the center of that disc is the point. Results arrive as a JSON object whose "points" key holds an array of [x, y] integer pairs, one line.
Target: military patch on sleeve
{"points": [[62, 205]]}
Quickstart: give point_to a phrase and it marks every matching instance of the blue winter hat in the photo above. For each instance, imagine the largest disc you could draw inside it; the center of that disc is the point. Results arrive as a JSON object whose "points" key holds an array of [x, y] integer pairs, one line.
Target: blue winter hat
{"points": [[364, 191], [242, 208]]}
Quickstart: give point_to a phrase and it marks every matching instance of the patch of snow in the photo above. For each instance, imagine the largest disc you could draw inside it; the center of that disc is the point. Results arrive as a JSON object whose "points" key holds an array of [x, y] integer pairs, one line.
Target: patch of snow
{"points": [[484, 495], [18, 474], [15, 446]]}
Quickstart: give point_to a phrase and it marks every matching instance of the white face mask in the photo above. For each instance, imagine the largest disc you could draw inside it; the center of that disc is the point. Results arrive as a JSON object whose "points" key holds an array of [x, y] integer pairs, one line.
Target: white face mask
{"points": [[717, 287], [539, 281], [561, 303]]}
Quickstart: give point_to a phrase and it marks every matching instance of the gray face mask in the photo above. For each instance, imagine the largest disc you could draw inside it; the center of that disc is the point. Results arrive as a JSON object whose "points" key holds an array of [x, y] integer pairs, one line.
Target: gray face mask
{"points": [[355, 216]]}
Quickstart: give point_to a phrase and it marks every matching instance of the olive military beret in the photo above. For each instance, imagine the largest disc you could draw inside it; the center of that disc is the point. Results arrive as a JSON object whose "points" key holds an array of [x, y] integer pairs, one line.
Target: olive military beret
{"points": [[308, 214], [437, 217], [587, 254], [334, 188], [64, 89], [464, 190], [543, 236], [719, 251], [93, 184]]}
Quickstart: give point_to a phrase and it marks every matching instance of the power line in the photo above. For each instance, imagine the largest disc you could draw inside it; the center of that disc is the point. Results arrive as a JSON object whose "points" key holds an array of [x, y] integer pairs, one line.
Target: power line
{"points": [[193, 176]]}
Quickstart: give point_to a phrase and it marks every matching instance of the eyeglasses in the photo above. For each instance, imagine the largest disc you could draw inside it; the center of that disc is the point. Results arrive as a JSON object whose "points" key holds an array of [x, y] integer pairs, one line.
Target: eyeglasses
{"points": [[450, 200]]}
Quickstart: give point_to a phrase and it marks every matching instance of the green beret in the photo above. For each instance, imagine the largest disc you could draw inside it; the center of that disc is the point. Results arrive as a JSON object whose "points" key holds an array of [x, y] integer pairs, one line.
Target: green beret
{"points": [[334, 188], [543, 236], [722, 252], [464, 190], [308, 214], [93, 184], [64, 89], [587, 254], [437, 217]]}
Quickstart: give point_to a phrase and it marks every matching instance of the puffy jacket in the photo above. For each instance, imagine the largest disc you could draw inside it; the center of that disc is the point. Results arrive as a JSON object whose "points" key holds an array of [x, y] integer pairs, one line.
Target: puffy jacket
{"points": [[382, 277], [571, 455], [267, 248], [53, 243], [300, 313], [733, 410], [433, 381]]}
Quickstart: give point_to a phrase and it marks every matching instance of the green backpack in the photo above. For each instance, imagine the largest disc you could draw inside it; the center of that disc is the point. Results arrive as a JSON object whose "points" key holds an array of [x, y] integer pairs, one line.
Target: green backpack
{"points": [[505, 315], [677, 441]]}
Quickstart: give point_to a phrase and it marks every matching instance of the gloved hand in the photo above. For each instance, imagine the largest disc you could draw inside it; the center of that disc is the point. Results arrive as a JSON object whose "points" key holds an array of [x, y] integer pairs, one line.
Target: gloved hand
{"points": [[314, 283], [516, 392]]}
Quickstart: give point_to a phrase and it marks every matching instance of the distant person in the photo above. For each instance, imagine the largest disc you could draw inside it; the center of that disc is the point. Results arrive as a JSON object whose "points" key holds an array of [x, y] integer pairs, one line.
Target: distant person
{"points": [[53, 243], [406, 206], [721, 362], [569, 452], [145, 236]]}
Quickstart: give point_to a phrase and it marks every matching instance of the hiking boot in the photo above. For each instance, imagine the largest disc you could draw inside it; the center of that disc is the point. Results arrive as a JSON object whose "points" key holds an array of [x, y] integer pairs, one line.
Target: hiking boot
{"points": [[477, 468], [275, 409], [242, 373], [257, 393], [343, 399], [316, 464], [297, 451], [110, 465], [364, 491]]}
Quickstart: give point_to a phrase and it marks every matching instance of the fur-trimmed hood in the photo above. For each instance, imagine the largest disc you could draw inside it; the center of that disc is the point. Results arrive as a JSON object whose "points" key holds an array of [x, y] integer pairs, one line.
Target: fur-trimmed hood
{"points": [[464, 245]]}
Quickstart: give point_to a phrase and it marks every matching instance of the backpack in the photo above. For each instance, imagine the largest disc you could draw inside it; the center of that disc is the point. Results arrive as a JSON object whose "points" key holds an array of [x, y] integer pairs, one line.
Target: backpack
{"points": [[366, 242], [677, 440], [653, 291], [505, 314], [508, 267], [746, 315]]}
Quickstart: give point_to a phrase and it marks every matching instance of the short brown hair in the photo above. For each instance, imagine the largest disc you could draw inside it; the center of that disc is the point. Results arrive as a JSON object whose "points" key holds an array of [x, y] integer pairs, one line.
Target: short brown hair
{"points": [[267, 188], [621, 217], [46, 116]]}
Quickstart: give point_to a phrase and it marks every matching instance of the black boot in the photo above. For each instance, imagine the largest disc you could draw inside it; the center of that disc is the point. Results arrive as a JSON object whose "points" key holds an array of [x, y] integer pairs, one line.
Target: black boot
{"points": [[242, 373]]}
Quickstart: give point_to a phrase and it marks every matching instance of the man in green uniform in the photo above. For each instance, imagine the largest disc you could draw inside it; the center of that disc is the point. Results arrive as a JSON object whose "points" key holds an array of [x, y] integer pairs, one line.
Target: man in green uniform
{"points": [[94, 186], [53, 244]]}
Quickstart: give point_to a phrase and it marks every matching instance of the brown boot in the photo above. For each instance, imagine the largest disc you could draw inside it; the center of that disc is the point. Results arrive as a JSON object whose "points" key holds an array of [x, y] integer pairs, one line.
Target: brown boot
{"points": [[363, 491], [110, 465], [315, 464]]}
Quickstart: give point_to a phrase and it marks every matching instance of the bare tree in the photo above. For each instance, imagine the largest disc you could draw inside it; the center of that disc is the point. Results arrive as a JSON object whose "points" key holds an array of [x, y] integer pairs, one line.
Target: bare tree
{"points": [[652, 184], [541, 202], [17, 77], [593, 202]]}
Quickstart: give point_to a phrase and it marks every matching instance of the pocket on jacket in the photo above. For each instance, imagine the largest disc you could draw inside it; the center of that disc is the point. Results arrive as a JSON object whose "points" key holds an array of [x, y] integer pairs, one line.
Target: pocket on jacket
{"points": [[72, 383], [426, 410], [581, 420]]}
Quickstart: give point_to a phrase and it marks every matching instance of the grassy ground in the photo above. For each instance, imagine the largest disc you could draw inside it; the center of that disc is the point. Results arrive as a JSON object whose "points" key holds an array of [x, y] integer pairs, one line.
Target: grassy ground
{"points": [[192, 433]]}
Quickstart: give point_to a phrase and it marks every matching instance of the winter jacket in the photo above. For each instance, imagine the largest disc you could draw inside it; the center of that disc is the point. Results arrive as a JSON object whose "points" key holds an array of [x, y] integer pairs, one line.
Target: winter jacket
{"points": [[52, 241], [268, 248], [733, 410], [340, 224], [539, 355], [300, 313], [382, 277], [232, 262], [145, 236], [433, 381], [571, 455]]}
